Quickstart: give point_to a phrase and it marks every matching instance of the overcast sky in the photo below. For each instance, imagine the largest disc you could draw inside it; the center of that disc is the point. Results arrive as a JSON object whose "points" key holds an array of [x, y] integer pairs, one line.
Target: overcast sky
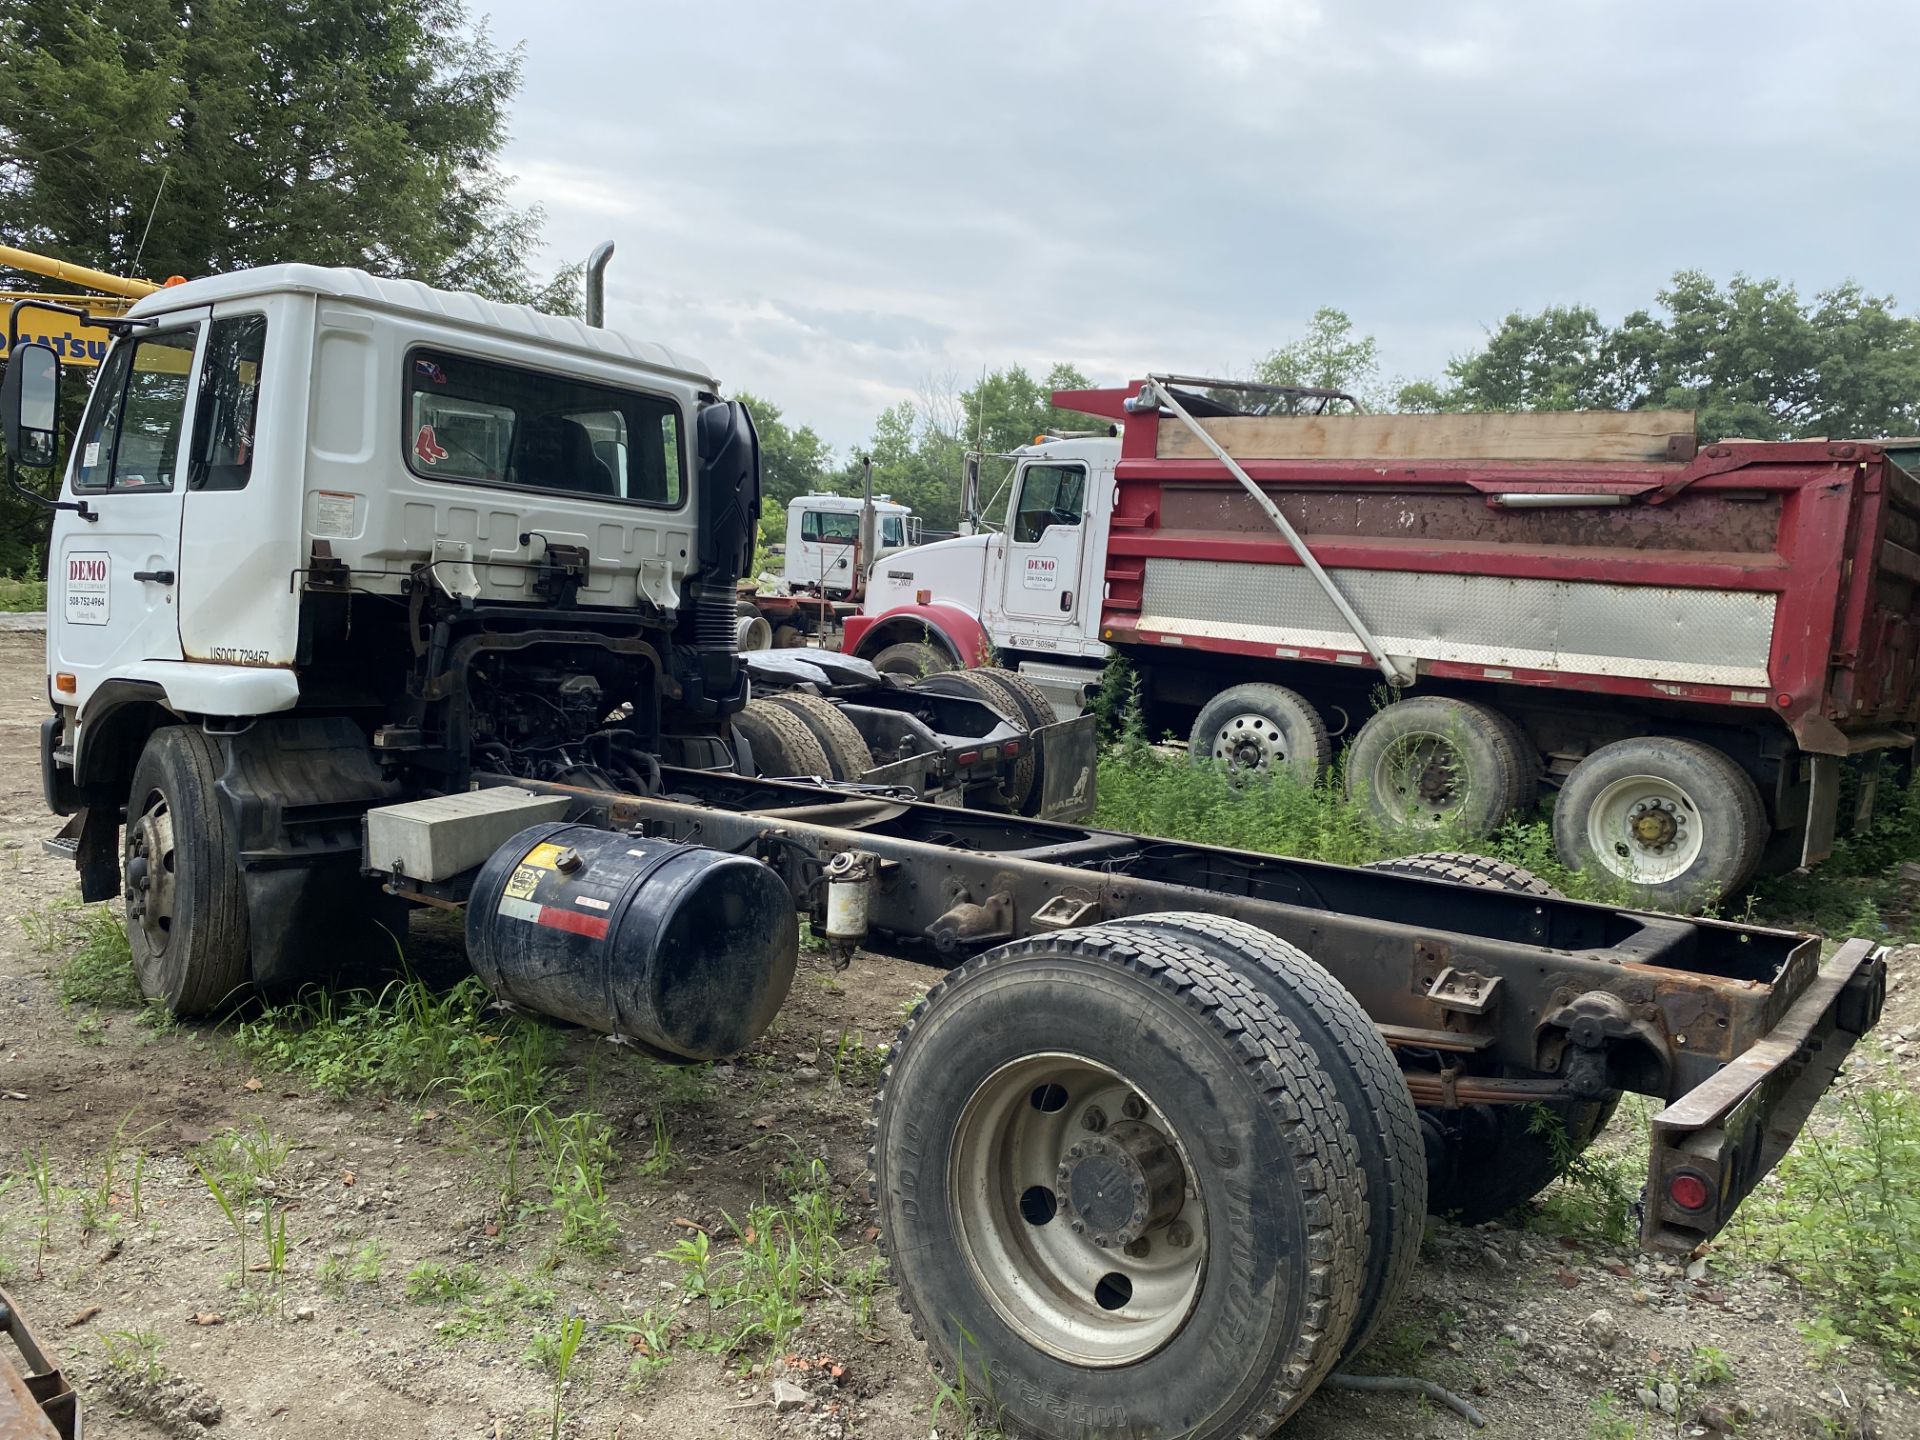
{"points": [[831, 203]]}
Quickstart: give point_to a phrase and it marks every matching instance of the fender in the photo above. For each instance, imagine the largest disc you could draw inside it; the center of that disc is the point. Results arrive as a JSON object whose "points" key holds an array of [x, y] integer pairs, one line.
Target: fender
{"points": [[956, 630]]}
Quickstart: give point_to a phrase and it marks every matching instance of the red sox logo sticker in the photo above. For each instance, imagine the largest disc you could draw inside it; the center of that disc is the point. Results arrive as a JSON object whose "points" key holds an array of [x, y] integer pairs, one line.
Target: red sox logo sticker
{"points": [[428, 448]]}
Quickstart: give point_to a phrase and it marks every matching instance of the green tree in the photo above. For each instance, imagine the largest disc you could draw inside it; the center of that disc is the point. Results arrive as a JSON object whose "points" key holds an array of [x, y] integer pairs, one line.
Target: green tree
{"points": [[1563, 358], [1330, 356], [196, 136]]}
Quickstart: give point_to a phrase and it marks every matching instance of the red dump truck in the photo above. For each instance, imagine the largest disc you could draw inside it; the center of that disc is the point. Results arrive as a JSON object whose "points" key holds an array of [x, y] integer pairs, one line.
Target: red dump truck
{"points": [[1684, 639]]}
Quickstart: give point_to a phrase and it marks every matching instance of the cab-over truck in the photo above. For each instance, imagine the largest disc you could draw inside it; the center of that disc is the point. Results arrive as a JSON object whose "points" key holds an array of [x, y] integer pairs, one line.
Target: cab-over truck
{"points": [[1683, 641], [369, 596]]}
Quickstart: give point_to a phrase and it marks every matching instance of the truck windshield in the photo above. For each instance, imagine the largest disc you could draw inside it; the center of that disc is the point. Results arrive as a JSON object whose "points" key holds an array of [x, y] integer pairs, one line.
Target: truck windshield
{"points": [[833, 528], [130, 439], [493, 424]]}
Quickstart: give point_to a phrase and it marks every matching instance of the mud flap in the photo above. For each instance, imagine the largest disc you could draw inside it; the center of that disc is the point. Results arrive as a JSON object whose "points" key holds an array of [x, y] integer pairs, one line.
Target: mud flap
{"points": [[295, 790], [1068, 751]]}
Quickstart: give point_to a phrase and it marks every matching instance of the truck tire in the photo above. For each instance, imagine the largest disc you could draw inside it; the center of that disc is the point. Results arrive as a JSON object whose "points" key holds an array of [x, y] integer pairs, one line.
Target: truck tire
{"points": [[1678, 821], [781, 744], [788, 637], [1485, 1161], [913, 659], [186, 904], [1033, 710], [1434, 763], [1019, 787], [1054, 1102], [1465, 869], [1257, 728], [1386, 1127], [847, 753], [1524, 792]]}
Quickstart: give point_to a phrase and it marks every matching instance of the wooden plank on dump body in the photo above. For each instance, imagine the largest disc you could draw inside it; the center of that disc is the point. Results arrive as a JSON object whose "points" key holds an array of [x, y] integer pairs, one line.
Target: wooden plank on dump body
{"points": [[1593, 436]]}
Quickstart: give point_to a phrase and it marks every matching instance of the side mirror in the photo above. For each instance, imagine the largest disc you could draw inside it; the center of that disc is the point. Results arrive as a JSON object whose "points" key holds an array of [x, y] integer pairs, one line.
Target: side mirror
{"points": [[30, 405]]}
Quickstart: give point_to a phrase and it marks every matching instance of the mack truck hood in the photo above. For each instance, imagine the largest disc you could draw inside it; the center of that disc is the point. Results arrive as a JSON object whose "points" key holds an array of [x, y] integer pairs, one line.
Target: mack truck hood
{"points": [[952, 570]]}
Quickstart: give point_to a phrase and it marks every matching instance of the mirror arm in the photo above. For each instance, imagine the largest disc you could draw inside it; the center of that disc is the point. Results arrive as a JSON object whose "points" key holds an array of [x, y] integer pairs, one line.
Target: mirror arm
{"points": [[118, 326]]}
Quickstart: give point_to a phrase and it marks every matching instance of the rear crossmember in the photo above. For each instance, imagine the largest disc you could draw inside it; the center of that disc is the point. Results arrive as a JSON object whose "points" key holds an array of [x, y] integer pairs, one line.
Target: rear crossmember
{"points": [[1488, 996]]}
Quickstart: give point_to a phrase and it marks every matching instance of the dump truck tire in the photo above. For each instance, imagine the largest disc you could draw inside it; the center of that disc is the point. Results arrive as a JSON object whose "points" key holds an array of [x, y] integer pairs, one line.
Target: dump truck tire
{"points": [[1258, 728], [1524, 792], [1485, 1161], [781, 744], [1464, 869], [1386, 1127], [913, 658], [186, 904], [1055, 1102], [1434, 763], [1678, 821], [846, 751], [1020, 787]]}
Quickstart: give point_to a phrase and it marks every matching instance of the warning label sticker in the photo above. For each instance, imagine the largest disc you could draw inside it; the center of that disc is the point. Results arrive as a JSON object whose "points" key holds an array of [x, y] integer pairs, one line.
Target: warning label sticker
{"points": [[525, 880], [544, 857], [332, 515]]}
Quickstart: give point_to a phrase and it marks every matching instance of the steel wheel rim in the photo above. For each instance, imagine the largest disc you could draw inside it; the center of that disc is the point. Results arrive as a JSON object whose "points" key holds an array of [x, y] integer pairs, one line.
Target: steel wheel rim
{"points": [[1646, 829], [1250, 742], [152, 872], [1044, 1275], [1419, 780]]}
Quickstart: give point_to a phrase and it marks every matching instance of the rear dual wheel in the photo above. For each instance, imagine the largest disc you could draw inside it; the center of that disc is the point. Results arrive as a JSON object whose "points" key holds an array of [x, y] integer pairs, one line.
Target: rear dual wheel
{"points": [[1120, 1183], [1025, 706], [1435, 763], [1261, 729]]}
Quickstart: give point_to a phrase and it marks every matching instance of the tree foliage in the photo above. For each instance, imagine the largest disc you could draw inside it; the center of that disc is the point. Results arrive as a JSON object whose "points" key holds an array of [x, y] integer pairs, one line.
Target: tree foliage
{"points": [[1752, 357], [197, 136], [1330, 356]]}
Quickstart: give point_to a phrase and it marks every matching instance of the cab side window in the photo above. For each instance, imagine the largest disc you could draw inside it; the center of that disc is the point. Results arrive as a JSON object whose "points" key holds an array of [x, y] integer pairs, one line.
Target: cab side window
{"points": [[130, 440], [1049, 495], [229, 397]]}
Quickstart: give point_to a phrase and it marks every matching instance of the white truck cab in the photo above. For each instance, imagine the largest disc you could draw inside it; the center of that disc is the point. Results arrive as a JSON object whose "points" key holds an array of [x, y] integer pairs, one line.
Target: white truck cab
{"points": [[1033, 587], [823, 541], [267, 421]]}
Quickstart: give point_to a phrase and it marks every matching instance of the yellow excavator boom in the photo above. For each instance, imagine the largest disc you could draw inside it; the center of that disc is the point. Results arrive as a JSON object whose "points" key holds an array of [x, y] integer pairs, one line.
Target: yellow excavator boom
{"points": [[74, 274], [74, 342]]}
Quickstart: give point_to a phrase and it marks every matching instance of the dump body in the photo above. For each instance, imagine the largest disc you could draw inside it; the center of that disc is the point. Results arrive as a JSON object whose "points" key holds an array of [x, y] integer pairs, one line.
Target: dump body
{"points": [[1764, 579]]}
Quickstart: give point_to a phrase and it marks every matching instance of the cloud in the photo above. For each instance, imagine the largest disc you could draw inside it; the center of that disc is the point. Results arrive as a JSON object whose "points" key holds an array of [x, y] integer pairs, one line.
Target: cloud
{"points": [[830, 204]]}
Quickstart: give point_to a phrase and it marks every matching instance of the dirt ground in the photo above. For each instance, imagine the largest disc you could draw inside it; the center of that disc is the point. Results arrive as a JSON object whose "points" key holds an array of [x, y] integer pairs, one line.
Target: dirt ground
{"points": [[1506, 1315]]}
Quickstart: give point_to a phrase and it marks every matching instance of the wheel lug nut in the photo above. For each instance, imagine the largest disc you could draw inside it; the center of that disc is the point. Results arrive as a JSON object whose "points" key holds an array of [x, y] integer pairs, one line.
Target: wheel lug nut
{"points": [[1095, 1119], [1134, 1108], [1138, 1248], [1180, 1234]]}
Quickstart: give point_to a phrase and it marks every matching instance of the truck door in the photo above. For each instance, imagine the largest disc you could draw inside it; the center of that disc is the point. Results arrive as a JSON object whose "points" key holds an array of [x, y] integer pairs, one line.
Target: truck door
{"points": [[111, 600], [1043, 552]]}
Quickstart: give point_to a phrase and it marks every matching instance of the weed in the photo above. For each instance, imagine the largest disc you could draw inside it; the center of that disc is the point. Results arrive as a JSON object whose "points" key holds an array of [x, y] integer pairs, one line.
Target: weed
{"points": [[47, 1192], [368, 1261], [489, 1316], [429, 1283], [1607, 1421], [659, 1159], [976, 1415], [855, 1060], [331, 1276], [273, 1238], [1599, 1188], [1710, 1366], [94, 966], [559, 1359], [863, 1286], [577, 1150], [227, 1206], [1842, 1216], [650, 1339], [135, 1353]]}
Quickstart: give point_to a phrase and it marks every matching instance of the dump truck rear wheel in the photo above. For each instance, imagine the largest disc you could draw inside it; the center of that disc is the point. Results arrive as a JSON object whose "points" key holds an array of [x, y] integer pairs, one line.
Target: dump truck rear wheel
{"points": [[912, 658], [781, 744], [1386, 1127], [1677, 820], [846, 750], [186, 904], [1434, 763], [1261, 728], [1076, 1131], [1032, 709]]}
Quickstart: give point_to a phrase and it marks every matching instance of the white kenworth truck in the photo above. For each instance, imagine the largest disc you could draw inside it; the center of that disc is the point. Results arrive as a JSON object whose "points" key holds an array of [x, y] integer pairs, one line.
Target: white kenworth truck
{"points": [[365, 596]]}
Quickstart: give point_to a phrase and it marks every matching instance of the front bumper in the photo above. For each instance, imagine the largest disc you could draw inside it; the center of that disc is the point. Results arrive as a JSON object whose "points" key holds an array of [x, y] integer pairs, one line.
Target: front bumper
{"points": [[1720, 1139]]}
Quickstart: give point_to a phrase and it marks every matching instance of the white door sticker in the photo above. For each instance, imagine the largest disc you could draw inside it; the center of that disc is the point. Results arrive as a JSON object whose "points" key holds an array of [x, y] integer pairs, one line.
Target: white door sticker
{"points": [[86, 587], [1042, 573]]}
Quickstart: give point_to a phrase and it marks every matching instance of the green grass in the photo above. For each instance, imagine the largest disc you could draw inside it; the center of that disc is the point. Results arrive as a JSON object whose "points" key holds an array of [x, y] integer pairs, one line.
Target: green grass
{"points": [[88, 944], [18, 595], [1841, 1216]]}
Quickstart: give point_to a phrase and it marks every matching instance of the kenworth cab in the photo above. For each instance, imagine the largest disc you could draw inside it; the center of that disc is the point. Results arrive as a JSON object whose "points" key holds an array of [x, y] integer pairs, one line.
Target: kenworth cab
{"points": [[368, 596]]}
